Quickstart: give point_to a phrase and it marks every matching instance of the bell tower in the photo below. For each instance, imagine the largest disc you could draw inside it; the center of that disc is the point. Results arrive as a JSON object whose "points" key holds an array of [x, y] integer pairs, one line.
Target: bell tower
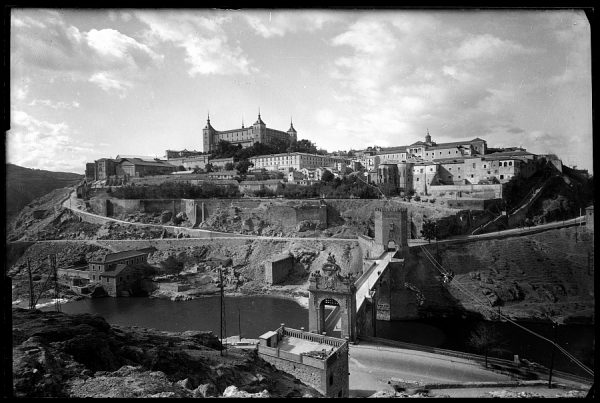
{"points": [[208, 141], [292, 132]]}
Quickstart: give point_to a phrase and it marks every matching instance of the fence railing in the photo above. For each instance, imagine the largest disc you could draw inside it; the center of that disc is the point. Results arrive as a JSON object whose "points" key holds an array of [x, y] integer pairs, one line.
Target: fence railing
{"points": [[314, 337], [478, 358]]}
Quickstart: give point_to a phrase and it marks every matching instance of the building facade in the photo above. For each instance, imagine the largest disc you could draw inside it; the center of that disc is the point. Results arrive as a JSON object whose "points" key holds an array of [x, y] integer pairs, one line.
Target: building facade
{"points": [[295, 161], [246, 136], [136, 167], [189, 162]]}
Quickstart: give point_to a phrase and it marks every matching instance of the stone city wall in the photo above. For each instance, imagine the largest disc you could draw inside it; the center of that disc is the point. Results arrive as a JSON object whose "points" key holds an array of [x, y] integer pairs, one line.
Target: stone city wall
{"points": [[493, 191]]}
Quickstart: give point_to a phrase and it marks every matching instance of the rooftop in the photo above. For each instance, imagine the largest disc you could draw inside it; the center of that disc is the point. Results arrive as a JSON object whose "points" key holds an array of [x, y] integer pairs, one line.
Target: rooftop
{"points": [[113, 257], [298, 346]]}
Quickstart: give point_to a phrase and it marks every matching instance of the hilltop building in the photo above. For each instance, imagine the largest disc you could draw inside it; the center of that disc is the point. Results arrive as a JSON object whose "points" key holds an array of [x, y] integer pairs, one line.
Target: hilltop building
{"points": [[295, 161], [246, 136]]}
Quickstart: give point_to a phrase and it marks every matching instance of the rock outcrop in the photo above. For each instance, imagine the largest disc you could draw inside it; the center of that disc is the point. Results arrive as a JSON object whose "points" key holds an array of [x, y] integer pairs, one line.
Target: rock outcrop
{"points": [[60, 355]]}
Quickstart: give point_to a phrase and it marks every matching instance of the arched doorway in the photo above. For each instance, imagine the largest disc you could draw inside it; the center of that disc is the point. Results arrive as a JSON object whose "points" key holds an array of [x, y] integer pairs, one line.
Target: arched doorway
{"points": [[329, 315], [331, 293]]}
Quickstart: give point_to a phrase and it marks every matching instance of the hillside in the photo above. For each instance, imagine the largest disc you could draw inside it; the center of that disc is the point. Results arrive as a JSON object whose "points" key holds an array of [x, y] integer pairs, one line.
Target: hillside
{"points": [[550, 274], [24, 185], [60, 355]]}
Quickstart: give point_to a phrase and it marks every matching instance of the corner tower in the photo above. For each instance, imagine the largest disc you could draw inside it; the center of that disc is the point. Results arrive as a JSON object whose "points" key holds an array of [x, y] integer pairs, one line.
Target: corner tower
{"points": [[259, 130]]}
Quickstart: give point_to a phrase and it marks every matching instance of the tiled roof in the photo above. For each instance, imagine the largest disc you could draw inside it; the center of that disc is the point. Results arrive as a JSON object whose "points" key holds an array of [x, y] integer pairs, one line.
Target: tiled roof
{"points": [[126, 254]]}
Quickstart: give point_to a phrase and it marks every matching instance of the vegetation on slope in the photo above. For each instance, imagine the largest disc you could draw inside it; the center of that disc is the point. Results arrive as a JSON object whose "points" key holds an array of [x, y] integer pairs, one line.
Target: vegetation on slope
{"points": [[24, 185]]}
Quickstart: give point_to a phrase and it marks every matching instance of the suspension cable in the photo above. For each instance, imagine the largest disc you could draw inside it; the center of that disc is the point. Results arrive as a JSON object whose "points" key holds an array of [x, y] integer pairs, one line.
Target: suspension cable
{"points": [[442, 270]]}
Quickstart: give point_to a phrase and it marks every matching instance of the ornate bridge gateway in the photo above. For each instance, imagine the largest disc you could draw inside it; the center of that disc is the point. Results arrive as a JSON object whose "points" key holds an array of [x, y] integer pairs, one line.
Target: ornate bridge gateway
{"points": [[331, 288], [354, 297]]}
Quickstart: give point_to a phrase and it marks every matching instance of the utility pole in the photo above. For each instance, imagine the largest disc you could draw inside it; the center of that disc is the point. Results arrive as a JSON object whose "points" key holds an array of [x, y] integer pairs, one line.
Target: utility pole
{"points": [[31, 296], [555, 327], [223, 328], [239, 324], [52, 259]]}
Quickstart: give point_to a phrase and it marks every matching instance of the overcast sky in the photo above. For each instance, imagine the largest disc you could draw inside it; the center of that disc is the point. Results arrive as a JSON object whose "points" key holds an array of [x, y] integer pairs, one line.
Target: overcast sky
{"points": [[97, 83]]}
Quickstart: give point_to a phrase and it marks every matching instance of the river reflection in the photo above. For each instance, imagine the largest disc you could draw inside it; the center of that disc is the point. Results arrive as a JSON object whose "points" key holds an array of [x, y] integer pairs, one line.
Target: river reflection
{"points": [[253, 316]]}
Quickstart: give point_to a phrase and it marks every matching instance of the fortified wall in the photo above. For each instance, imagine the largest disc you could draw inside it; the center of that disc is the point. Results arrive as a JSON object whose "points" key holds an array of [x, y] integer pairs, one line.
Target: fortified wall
{"points": [[286, 213], [113, 207]]}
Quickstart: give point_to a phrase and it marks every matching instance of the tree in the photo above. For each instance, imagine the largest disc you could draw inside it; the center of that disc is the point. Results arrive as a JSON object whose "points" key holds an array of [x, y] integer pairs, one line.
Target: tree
{"points": [[429, 230], [208, 167], [485, 338], [327, 176], [181, 168], [243, 165], [229, 166], [302, 146]]}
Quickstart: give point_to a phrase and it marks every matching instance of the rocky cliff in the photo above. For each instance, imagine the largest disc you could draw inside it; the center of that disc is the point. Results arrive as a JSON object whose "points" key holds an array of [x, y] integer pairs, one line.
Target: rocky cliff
{"points": [[60, 355]]}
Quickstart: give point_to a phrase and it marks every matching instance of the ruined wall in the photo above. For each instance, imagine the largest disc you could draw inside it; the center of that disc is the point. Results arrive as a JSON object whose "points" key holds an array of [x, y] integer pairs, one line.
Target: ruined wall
{"points": [[472, 204], [278, 269], [116, 207], [284, 215], [316, 213], [476, 191]]}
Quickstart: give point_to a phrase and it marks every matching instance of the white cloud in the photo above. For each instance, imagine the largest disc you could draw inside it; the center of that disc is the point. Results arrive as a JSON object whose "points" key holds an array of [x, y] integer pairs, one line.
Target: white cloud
{"points": [[108, 82], [41, 144], [205, 42], [45, 41], [55, 105], [489, 46], [278, 23], [112, 43]]}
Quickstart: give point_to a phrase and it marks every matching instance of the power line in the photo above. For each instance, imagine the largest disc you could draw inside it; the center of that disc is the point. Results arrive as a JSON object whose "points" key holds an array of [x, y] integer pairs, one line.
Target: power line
{"points": [[565, 352]]}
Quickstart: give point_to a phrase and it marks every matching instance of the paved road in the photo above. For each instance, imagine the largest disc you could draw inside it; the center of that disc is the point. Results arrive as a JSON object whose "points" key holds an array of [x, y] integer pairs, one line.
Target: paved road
{"points": [[75, 204], [372, 366]]}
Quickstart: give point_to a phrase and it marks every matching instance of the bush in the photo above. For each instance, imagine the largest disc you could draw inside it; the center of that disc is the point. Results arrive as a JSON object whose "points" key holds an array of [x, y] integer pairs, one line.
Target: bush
{"points": [[417, 198]]}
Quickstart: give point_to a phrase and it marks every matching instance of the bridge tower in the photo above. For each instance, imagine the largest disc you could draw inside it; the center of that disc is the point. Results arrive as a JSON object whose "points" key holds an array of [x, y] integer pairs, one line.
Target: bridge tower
{"points": [[391, 228], [329, 287]]}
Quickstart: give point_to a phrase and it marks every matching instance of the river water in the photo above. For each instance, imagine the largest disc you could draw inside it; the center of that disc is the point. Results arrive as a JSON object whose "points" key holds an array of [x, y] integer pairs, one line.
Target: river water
{"points": [[253, 316]]}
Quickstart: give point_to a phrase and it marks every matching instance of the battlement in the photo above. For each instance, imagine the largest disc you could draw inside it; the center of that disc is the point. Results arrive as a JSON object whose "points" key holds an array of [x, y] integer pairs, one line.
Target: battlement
{"points": [[391, 209]]}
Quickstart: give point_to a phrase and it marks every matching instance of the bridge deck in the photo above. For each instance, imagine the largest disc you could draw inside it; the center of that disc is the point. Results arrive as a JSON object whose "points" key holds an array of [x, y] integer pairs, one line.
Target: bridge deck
{"points": [[370, 277]]}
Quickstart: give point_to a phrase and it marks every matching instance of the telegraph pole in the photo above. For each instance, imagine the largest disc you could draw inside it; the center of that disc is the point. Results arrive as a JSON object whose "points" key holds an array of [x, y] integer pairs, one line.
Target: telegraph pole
{"points": [[31, 296], [223, 328], [239, 324], [52, 259], [555, 327]]}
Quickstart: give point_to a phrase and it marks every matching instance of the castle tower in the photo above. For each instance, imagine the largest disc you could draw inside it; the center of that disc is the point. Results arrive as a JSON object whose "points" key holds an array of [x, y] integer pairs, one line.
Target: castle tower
{"points": [[292, 132], [208, 132], [259, 130], [391, 225], [428, 138]]}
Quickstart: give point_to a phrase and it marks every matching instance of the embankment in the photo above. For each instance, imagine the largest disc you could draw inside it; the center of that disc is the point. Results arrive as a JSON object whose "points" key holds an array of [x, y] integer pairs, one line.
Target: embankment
{"points": [[540, 276]]}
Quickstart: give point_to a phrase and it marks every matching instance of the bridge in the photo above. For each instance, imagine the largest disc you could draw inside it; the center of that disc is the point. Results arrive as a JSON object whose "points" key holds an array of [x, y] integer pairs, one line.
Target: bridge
{"points": [[346, 305]]}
